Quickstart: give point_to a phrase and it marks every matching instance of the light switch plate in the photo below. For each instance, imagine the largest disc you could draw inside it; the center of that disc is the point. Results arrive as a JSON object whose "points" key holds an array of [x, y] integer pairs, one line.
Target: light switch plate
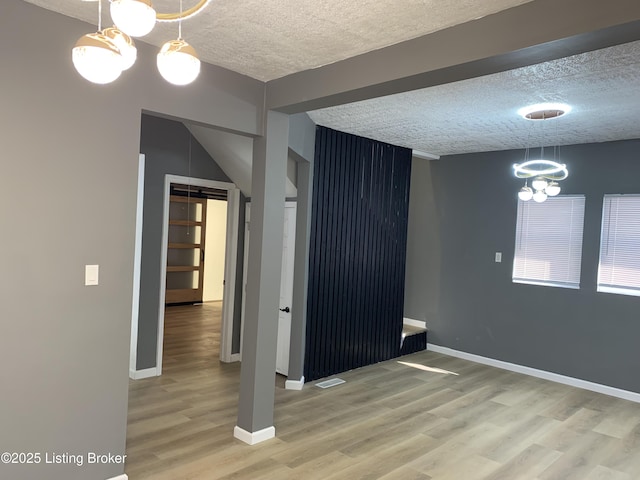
{"points": [[91, 274], [498, 257]]}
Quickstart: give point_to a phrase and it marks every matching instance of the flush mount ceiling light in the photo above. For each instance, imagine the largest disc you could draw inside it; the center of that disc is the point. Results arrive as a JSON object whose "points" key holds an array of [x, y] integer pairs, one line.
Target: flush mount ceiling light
{"points": [[101, 57], [545, 173], [544, 111]]}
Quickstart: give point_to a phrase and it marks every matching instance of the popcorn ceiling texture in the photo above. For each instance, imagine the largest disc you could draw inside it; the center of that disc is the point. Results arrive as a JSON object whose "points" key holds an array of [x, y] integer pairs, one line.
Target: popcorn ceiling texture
{"points": [[480, 114], [268, 39]]}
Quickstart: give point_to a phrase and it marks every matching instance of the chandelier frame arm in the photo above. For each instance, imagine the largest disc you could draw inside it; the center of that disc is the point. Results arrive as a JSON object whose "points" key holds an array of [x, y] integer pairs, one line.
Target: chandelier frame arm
{"points": [[546, 169], [188, 13]]}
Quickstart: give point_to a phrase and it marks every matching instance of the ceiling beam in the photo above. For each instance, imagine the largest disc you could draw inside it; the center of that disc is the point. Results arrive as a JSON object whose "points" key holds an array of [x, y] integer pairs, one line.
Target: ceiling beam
{"points": [[531, 33]]}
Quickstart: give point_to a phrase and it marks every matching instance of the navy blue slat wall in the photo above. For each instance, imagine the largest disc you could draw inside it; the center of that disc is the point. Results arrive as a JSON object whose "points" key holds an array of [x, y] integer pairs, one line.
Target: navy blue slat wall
{"points": [[357, 253]]}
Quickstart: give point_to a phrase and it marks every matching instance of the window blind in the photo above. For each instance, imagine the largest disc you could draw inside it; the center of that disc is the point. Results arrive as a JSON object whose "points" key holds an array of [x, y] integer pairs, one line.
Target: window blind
{"points": [[619, 267], [548, 247]]}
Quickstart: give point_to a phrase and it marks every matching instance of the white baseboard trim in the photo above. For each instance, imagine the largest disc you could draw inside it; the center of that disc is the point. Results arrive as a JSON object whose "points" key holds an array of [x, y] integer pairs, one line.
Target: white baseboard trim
{"points": [[119, 477], [414, 323], [294, 384], [140, 374], [254, 437], [235, 357], [534, 372]]}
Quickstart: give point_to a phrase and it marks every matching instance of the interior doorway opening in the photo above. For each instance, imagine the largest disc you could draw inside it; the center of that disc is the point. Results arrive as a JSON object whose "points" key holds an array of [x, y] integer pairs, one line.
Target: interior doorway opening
{"points": [[196, 244], [183, 254]]}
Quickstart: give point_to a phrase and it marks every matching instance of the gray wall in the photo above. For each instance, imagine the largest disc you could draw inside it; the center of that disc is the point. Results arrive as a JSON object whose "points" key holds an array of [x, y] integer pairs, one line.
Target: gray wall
{"points": [[165, 144], [422, 288], [579, 333], [302, 136], [69, 169]]}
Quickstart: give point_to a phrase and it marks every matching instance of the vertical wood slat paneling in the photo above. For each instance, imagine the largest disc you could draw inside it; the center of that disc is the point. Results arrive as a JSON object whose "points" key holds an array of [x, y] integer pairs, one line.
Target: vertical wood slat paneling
{"points": [[357, 253]]}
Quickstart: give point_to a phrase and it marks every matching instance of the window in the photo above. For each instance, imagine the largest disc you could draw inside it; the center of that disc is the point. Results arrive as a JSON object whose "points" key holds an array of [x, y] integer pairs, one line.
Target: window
{"points": [[549, 242], [619, 268]]}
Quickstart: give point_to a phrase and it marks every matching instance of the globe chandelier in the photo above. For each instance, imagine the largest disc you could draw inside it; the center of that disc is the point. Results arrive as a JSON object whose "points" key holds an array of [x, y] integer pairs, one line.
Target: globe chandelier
{"points": [[546, 173], [101, 57]]}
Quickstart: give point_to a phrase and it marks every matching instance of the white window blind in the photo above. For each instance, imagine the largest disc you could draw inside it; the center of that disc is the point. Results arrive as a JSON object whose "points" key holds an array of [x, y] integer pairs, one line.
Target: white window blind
{"points": [[619, 268], [549, 242]]}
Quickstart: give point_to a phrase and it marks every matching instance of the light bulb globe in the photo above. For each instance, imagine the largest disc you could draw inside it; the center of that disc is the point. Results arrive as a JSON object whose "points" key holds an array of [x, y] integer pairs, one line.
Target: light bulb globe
{"points": [[125, 45], [178, 62], [539, 184], [525, 194], [97, 58], [552, 189], [539, 196], [134, 17]]}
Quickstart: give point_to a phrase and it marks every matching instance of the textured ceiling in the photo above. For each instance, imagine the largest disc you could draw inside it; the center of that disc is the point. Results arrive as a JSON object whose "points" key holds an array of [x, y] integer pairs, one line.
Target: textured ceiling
{"points": [[480, 114], [271, 39], [268, 40]]}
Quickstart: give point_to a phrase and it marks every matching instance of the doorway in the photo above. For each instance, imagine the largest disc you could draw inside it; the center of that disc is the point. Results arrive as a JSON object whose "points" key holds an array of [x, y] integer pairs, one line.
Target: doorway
{"points": [[196, 244], [230, 249], [286, 284], [231, 245]]}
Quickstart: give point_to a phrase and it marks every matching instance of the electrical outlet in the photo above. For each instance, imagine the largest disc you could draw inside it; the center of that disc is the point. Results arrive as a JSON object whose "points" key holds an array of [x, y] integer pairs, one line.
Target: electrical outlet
{"points": [[498, 257]]}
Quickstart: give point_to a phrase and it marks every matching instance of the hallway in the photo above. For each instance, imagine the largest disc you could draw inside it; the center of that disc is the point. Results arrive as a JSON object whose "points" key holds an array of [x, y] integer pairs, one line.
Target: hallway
{"points": [[183, 414]]}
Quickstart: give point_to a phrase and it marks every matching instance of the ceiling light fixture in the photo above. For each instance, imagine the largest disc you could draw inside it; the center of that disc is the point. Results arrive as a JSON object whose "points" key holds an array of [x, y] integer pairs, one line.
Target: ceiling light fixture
{"points": [[134, 17], [96, 56], [177, 61], [102, 56], [545, 173], [125, 44], [544, 111]]}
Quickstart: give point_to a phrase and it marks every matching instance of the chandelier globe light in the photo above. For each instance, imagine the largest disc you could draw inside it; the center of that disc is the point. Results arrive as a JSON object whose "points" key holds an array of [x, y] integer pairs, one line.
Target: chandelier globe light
{"points": [[177, 61], [552, 189], [545, 173], [134, 17], [525, 194], [539, 183], [101, 57], [125, 44], [96, 57], [540, 196]]}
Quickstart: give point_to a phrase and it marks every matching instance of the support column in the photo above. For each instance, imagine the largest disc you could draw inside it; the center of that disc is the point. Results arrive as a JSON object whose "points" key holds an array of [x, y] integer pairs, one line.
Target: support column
{"points": [[257, 375]]}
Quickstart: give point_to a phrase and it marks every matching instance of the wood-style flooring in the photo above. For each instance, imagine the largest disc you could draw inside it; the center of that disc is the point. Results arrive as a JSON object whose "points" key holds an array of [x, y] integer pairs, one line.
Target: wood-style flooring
{"points": [[432, 417]]}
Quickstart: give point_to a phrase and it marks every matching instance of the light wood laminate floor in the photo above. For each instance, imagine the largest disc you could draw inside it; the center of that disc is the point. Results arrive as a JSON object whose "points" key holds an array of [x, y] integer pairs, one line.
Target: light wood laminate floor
{"points": [[437, 418]]}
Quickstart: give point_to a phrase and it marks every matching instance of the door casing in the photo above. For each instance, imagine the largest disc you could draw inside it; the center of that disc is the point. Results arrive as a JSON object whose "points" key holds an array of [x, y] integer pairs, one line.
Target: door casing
{"points": [[231, 248]]}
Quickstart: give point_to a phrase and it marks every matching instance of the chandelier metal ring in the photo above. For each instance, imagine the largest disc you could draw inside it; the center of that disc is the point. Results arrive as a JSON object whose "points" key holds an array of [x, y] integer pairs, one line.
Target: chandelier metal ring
{"points": [[188, 13], [545, 168]]}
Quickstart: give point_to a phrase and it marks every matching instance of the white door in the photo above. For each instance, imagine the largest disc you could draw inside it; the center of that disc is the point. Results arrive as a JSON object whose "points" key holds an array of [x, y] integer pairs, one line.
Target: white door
{"points": [[286, 284], [286, 289]]}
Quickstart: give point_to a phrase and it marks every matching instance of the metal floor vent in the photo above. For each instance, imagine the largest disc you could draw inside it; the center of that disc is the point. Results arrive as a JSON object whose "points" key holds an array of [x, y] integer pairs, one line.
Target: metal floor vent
{"points": [[330, 383]]}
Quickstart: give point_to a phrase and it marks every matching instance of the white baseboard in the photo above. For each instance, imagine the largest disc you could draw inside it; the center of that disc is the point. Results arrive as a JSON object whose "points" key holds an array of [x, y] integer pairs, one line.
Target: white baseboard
{"points": [[294, 384], [554, 377], [119, 477], [254, 437], [414, 323], [140, 374], [235, 357]]}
